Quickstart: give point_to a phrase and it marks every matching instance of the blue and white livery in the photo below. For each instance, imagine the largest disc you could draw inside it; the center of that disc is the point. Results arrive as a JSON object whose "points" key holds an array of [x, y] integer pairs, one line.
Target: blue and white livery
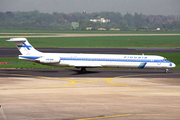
{"points": [[84, 61]]}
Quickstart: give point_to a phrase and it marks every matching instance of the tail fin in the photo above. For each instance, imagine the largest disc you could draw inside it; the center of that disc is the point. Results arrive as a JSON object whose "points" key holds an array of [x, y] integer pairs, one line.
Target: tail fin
{"points": [[24, 46]]}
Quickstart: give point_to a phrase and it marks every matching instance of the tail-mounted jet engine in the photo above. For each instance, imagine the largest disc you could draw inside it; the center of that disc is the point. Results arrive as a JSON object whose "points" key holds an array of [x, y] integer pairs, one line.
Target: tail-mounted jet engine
{"points": [[47, 60]]}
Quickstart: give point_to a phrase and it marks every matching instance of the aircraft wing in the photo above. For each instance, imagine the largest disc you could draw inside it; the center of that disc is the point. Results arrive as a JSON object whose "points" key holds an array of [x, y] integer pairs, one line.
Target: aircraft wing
{"points": [[85, 65]]}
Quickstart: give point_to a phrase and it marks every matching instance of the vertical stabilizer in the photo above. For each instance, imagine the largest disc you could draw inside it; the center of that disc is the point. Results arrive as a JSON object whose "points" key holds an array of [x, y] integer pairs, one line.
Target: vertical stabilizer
{"points": [[24, 46]]}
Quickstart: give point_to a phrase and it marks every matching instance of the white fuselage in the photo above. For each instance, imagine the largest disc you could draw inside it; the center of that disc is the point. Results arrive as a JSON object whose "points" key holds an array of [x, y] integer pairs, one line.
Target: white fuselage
{"points": [[89, 60], [101, 60]]}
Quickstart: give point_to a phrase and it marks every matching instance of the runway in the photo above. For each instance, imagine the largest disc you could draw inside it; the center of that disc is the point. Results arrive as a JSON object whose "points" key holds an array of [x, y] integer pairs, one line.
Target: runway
{"points": [[14, 52], [100, 94]]}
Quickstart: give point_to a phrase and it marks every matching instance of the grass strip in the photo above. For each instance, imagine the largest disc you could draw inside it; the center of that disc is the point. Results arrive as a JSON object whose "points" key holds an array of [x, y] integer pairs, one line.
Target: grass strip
{"points": [[102, 42]]}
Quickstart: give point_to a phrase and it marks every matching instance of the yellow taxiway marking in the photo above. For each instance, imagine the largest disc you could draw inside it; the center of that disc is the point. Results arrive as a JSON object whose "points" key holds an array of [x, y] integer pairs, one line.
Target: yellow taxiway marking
{"points": [[123, 85], [72, 82], [123, 115], [90, 81], [105, 117], [79, 81]]}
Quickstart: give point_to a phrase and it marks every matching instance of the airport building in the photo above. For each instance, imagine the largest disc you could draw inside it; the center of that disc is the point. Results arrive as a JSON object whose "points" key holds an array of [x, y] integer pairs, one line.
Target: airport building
{"points": [[102, 20]]}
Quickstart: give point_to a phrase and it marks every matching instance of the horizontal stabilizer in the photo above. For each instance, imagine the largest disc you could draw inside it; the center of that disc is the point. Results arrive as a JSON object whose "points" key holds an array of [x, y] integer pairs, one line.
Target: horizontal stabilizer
{"points": [[18, 39]]}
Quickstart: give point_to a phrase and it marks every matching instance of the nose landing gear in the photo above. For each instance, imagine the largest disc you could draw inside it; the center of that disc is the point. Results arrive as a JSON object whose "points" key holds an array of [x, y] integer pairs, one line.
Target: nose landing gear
{"points": [[166, 70]]}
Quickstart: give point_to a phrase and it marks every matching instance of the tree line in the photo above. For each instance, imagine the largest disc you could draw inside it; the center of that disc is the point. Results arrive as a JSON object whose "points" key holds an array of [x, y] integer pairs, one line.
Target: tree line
{"points": [[62, 21]]}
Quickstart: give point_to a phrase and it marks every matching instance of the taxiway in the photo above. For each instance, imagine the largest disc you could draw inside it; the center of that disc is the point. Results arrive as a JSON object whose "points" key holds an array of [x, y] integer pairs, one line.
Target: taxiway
{"points": [[14, 52], [100, 94]]}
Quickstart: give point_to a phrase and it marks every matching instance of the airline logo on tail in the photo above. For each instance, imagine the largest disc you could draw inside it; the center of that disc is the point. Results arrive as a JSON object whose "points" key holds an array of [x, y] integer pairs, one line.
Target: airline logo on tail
{"points": [[24, 45]]}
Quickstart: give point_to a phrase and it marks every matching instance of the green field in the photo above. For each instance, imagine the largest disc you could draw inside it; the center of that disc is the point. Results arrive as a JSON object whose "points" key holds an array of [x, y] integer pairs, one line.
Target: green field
{"points": [[14, 62], [23, 64], [103, 42]]}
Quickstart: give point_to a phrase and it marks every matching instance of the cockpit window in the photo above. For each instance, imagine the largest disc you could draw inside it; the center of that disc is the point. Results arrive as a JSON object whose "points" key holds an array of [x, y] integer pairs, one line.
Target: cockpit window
{"points": [[164, 59]]}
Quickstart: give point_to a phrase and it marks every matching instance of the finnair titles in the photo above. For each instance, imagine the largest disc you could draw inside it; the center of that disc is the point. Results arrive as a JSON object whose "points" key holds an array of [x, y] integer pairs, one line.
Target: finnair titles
{"points": [[84, 61]]}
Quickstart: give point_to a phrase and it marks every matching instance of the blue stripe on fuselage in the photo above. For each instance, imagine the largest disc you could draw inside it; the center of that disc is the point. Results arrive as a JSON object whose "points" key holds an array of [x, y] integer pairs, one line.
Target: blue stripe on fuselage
{"points": [[113, 60]]}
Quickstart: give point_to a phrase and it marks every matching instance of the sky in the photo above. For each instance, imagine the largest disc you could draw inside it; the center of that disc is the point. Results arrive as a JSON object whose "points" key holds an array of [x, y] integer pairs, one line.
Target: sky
{"points": [[148, 7]]}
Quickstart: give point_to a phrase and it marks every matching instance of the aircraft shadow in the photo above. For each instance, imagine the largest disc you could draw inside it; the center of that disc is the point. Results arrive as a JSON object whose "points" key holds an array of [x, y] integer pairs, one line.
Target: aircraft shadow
{"points": [[78, 72]]}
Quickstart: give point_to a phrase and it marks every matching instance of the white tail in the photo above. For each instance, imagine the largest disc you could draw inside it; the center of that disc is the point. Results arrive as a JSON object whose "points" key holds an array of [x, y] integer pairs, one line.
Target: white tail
{"points": [[24, 46]]}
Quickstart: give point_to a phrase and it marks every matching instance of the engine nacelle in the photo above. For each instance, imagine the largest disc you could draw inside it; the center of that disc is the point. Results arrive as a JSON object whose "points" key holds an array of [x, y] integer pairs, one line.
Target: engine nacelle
{"points": [[47, 60]]}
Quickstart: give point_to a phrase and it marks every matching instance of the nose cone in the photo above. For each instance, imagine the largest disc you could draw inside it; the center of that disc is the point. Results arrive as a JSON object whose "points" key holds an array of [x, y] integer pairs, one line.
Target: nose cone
{"points": [[172, 65]]}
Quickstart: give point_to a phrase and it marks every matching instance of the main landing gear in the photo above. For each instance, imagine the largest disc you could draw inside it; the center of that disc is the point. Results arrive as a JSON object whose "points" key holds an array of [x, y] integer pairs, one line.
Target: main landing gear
{"points": [[166, 70], [83, 70]]}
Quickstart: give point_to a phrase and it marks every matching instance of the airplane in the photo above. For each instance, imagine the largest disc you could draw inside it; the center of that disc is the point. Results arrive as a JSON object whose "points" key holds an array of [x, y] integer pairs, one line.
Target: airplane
{"points": [[83, 61]]}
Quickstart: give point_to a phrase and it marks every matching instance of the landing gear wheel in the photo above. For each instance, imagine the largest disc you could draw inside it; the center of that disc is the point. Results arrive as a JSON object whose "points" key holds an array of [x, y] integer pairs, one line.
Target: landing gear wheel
{"points": [[167, 70], [83, 70]]}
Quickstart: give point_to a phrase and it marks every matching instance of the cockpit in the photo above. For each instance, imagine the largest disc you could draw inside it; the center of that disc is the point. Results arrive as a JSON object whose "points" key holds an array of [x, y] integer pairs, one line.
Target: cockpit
{"points": [[164, 59]]}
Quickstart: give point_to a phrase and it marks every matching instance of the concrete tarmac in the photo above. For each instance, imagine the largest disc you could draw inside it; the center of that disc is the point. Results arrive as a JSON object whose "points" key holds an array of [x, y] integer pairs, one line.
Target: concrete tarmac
{"points": [[100, 94]]}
